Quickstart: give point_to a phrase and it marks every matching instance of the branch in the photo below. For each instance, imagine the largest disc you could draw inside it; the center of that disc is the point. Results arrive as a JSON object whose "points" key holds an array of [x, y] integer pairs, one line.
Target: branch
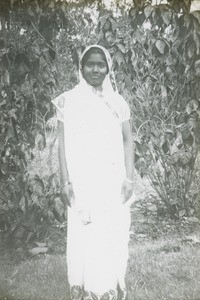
{"points": [[141, 126], [42, 37]]}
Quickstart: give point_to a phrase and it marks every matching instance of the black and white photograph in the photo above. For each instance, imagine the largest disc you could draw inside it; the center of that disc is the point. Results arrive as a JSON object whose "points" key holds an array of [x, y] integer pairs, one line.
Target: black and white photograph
{"points": [[99, 149]]}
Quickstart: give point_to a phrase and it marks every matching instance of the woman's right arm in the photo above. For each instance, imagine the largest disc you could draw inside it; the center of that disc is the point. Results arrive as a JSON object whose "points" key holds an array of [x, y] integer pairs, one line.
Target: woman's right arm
{"points": [[66, 186]]}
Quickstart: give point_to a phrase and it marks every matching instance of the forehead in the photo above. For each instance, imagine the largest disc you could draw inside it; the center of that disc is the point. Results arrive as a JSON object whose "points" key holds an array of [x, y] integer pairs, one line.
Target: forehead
{"points": [[96, 57]]}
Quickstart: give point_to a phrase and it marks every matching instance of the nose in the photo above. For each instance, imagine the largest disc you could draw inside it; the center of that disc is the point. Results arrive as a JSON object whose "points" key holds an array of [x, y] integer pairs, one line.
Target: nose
{"points": [[95, 68]]}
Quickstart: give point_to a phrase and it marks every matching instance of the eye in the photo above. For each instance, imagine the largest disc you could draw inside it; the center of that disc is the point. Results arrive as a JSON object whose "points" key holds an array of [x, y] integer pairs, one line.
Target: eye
{"points": [[89, 64], [102, 65]]}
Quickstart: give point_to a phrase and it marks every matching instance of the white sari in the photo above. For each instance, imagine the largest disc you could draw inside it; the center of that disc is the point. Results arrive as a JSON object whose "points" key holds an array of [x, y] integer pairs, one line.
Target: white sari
{"points": [[97, 251]]}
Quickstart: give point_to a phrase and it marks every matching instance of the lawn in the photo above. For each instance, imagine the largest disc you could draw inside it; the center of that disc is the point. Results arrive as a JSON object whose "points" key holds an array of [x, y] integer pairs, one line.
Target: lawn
{"points": [[40, 278], [166, 269], [163, 269]]}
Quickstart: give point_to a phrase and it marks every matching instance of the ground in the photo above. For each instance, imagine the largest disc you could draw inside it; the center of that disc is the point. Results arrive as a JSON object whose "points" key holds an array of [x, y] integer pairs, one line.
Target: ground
{"points": [[164, 262]]}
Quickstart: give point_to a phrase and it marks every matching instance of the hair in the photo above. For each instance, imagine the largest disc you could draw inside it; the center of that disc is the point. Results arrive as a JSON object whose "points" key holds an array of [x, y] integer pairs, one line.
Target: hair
{"points": [[93, 50]]}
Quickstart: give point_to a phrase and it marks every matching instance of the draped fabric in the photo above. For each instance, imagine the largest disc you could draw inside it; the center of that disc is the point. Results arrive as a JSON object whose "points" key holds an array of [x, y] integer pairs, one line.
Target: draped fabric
{"points": [[98, 222]]}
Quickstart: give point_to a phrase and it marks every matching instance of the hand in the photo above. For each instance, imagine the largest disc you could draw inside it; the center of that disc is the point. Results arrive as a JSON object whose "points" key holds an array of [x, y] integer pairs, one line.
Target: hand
{"points": [[67, 194], [126, 191]]}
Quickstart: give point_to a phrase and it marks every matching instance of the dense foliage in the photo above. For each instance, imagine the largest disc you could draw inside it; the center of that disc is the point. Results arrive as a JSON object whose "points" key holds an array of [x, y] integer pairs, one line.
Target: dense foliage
{"points": [[156, 53], [35, 53], [157, 64]]}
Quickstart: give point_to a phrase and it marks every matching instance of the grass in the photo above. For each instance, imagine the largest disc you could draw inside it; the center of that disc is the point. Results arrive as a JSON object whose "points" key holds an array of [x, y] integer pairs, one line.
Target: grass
{"points": [[38, 279], [165, 269]]}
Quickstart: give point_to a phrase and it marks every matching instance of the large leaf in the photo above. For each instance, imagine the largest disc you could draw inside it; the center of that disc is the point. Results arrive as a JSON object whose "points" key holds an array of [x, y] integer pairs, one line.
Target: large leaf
{"points": [[166, 16], [106, 24], [165, 147], [163, 91], [186, 5], [197, 131], [192, 121], [148, 10], [170, 60], [192, 106], [160, 45], [37, 186], [185, 157], [191, 50], [114, 24], [121, 47], [197, 67], [190, 140], [59, 210], [132, 13], [38, 250], [185, 131], [197, 43], [40, 141], [102, 20], [119, 59], [196, 14], [54, 182], [187, 20]]}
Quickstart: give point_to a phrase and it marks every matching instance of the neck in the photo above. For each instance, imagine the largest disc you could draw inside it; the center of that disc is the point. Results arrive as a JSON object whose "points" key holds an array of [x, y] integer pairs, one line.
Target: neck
{"points": [[98, 88]]}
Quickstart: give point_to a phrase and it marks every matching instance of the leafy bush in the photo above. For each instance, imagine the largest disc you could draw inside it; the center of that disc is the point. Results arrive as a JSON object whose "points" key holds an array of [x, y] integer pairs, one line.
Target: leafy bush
{"points": [[156, 57], [32, 73]]}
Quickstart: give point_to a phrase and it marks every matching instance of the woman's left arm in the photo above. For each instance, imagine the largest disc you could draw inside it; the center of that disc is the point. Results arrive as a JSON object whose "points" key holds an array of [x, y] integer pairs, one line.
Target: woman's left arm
{"points": [[127, 187]]}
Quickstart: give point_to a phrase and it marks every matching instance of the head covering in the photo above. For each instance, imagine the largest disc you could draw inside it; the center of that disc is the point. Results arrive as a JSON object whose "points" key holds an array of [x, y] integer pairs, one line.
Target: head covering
{"points": [[109, 85]]}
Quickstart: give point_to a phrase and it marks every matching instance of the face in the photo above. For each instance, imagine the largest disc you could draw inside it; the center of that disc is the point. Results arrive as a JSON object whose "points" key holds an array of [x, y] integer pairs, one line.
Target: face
{"points": [[95, 70]]}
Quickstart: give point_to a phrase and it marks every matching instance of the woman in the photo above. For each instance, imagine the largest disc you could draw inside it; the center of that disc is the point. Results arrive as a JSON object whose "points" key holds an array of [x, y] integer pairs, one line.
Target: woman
{"points": [[96, 163]]}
